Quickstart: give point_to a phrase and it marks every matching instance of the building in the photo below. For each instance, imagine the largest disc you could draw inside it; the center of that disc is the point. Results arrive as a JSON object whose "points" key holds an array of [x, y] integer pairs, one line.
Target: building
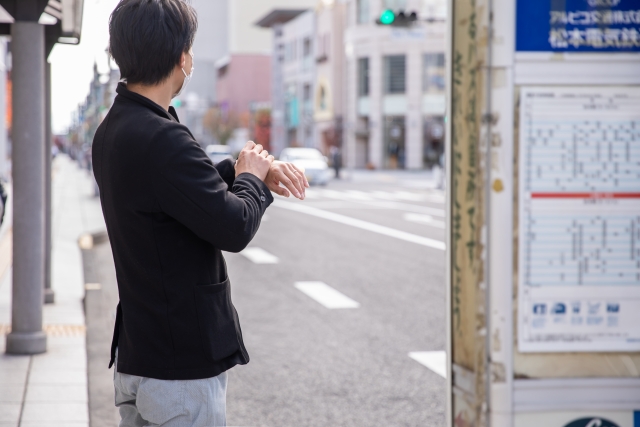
{"points": [[395, 89], [293, 77], [308, 75], [232, 61], [341, 79], [330, 78]]}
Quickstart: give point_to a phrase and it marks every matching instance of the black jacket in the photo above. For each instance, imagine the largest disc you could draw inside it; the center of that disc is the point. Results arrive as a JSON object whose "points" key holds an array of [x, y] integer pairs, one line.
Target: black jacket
{"points": [[169, 213]]}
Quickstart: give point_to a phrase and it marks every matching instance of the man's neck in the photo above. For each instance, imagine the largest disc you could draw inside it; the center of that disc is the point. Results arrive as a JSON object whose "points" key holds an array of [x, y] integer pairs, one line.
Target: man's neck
{"points": [[160, 94]]}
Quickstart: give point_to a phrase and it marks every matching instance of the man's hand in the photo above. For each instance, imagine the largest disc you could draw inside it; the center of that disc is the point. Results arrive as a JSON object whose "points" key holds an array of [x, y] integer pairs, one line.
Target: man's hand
{"points": [[253, 159], [290, 175]]}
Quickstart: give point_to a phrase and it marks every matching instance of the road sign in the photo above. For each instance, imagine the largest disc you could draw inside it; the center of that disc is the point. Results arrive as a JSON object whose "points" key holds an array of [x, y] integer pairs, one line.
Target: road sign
{"points": [[578, 26]]}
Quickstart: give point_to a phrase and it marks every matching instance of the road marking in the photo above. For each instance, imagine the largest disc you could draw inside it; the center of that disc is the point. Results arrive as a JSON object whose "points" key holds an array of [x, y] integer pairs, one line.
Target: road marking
{"points": [[326, 295], [359, 195], [407, 207], [259, 256], [434, 360], [364, 225], [423, 219]]}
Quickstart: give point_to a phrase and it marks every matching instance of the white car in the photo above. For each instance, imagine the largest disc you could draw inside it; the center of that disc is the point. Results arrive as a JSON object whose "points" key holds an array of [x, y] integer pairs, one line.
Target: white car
{"points": [[315, 165], [218, 153]]}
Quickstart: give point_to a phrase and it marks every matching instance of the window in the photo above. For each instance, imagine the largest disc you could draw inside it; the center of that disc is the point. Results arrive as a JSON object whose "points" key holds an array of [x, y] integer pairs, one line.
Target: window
{"points": [[395, 4], [280, 52], [306, 98], [321, 53], [363, 14], [363, 76], [306, 47], [288, 52], [433, 73], [394, 74], [306, 92], [323, 99]]}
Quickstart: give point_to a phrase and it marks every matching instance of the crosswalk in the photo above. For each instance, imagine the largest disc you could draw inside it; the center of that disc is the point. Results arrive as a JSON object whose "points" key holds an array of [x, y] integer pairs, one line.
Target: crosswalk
{"points": [[426, 208], [432, 196], [363, 225], [423, 219]]}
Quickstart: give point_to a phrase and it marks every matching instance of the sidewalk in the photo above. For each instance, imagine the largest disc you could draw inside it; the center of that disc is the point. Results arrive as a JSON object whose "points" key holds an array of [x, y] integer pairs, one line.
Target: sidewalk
{"points": [[50, 390]]}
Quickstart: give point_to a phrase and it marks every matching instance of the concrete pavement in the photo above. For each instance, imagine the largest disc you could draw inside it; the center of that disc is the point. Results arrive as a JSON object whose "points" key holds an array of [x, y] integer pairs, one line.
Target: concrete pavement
{"points": [[50, 389]]}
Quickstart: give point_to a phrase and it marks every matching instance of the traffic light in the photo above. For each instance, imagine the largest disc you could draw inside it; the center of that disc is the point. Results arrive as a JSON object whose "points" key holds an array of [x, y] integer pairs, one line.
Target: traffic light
{"points": [[399, 19]]}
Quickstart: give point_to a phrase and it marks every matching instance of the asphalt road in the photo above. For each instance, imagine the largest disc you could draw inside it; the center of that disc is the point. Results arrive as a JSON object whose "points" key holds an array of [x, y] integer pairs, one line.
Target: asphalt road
{"points": [[375, 240], [315, 366]]}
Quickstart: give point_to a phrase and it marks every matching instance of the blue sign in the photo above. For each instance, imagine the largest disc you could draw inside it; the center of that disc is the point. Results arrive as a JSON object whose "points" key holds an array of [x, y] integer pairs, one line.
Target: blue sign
{"points": [[559, 308], [539, 308], [578, 26], [592, 422]]}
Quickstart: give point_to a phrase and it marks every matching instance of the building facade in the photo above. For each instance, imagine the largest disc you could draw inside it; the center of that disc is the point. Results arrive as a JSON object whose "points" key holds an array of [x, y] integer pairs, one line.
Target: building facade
{"points": [[232, 60], [330, 76], [293, 76], [395, 86], [307, 93], [340, 79]]}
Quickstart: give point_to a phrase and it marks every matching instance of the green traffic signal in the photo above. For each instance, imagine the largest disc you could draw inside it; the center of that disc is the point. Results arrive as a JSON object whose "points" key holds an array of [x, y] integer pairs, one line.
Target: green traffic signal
{"points": [[387, 17]]}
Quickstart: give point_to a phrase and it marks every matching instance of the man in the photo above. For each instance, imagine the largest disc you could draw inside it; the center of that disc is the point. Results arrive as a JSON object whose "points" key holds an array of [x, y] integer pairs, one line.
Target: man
{"points": [[169, 213]]}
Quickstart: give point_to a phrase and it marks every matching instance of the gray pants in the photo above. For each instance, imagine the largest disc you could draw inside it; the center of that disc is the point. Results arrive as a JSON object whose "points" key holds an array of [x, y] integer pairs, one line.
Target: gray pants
{"points": [[170, 403]]}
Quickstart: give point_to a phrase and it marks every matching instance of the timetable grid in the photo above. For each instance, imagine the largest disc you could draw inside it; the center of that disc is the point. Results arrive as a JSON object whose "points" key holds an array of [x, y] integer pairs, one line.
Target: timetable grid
{"points": [[579, 219], [599, 155], [580, 149]]}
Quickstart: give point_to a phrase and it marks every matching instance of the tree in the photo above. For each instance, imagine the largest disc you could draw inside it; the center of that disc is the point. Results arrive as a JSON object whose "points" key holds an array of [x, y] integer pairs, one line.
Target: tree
{"points": [[220, 123]]}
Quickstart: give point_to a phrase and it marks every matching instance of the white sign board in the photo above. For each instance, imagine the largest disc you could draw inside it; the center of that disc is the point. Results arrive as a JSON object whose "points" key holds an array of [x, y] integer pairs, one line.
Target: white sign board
{"points": [[579, 219]]}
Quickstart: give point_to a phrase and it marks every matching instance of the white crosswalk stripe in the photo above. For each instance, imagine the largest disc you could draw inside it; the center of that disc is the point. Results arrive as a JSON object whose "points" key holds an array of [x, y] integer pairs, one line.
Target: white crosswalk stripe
{"points": [[326, 295], [259, 256], [423, 219], [364, 225], [433, 196], [434, 360]]}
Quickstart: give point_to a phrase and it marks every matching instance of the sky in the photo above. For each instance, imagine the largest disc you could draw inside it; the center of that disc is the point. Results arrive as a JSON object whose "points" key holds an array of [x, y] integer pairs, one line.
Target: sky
{"points": [[72, 66]]}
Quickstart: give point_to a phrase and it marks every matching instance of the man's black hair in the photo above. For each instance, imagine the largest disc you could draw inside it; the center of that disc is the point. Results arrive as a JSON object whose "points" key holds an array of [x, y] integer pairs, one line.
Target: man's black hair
{"points": [[147, 38]]}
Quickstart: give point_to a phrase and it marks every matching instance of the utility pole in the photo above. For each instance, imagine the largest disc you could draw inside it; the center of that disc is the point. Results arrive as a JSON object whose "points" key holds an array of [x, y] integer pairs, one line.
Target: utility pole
{"points": [[28, 60], [540, 330], [31, 44]]}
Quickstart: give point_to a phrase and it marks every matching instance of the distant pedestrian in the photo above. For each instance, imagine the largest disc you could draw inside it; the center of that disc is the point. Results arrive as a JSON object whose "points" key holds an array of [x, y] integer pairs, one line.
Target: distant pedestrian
{"points": [[3, 201], [169, 213], [336, 160]]}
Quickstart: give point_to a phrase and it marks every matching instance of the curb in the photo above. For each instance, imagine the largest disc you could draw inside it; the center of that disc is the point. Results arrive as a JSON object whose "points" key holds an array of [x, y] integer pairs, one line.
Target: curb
{"points": [[98, 306]]}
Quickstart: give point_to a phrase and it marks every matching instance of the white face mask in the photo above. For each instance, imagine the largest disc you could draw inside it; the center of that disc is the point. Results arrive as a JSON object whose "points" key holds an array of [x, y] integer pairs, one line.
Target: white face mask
{"points": [[187, 77]]}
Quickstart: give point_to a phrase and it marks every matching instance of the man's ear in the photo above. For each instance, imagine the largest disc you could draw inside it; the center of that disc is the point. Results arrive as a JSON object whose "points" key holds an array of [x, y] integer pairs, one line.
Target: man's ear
{"points": [[183, 60]]}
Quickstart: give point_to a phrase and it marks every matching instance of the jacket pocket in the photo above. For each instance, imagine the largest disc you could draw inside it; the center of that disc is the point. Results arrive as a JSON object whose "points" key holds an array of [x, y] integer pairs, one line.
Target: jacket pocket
{"points": [[217, 320]]}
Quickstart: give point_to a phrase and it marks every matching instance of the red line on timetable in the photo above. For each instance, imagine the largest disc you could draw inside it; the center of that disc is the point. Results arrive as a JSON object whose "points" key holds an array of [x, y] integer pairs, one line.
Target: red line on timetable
{"points": [[585, 195]]}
